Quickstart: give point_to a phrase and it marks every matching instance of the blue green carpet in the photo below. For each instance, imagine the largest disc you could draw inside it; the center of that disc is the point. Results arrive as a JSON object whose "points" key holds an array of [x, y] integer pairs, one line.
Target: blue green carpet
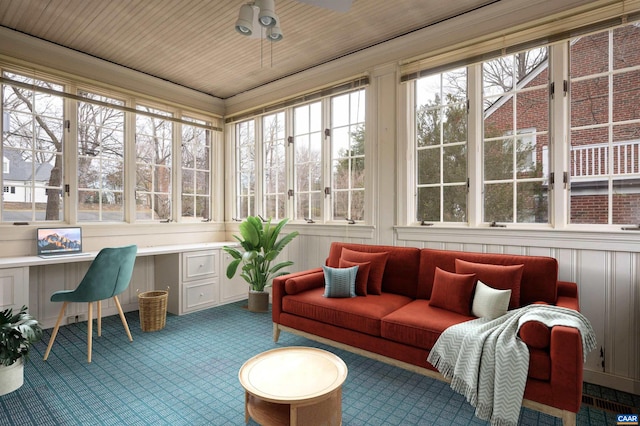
{"points": [[187, 374]]}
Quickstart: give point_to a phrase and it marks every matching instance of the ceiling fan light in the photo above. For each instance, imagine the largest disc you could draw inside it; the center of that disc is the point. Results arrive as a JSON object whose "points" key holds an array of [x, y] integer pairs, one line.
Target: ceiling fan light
{"points": [[244, 24], [267, 16], [275, 33]]}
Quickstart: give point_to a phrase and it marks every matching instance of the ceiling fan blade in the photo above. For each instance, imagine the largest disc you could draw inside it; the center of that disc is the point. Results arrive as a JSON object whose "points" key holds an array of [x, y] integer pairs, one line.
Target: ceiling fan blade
{"points": [[337, 5]]}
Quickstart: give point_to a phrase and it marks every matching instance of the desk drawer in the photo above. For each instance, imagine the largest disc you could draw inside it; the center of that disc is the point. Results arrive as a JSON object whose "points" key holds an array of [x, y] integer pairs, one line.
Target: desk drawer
{"points": [[200, 295], [199, 264]]}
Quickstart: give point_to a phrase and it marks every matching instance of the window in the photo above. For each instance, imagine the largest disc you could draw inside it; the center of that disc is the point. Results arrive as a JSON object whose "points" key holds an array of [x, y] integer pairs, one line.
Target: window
{"points": [[45, 153], [245, 168], [441, 147], [195, 169], [100, 159], [154, 137], [605, 127], [515, 98], [274, 165], [32, 142], [312, 161], [347, 156], [307, 143]]}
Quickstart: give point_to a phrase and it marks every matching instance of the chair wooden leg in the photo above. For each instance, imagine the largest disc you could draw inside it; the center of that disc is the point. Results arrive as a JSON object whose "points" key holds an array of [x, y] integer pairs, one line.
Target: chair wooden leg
{"points": [[89, 330], [55, 331], [124, 320], [99, 318]]}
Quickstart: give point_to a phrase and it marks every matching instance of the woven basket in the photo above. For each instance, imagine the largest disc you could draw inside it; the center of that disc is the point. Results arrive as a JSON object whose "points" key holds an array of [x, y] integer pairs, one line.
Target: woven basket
{"points": [[153, 310]]}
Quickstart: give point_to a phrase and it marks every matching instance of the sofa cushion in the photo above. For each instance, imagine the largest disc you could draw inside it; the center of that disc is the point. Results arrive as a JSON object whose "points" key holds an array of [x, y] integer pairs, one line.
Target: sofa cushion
{"points": [[301, 283], [453, 291], [419, 324], [361, 314], [378, 262], [489, 302], [362, 277], [400, 272], [496, 276], [539, 278], [340, 282]]}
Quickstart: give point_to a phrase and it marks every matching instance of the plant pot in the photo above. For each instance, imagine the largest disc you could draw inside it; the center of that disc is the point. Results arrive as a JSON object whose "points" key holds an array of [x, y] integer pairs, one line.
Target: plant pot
{"points": [[11, 377], [258, 301]]}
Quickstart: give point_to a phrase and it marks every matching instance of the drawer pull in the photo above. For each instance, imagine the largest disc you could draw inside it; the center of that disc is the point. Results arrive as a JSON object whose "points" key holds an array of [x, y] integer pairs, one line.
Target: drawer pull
{"points": [[201, 294]]}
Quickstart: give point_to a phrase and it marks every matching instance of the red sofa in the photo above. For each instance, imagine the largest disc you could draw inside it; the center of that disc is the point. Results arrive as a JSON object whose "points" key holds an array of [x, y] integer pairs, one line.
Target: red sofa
{"points": [[400, 326]]}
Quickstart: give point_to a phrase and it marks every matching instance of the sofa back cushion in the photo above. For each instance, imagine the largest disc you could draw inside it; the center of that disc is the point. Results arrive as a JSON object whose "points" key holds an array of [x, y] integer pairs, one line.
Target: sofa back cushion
{"points": [[539, 275], [501, 277], [377, 262], [400, 272]]}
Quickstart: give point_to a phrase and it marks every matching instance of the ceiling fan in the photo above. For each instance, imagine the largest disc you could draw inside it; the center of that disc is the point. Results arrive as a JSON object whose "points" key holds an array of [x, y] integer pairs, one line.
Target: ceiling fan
{"points": [[258, 14]]}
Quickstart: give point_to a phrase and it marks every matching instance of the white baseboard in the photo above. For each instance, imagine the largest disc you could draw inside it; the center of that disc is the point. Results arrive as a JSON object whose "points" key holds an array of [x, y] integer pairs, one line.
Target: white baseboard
{"points": [[611, 381]]}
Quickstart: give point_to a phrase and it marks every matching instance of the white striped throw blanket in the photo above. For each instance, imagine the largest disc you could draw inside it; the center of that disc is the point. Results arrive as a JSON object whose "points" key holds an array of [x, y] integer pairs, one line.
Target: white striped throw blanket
{"points": [[487, 362]]}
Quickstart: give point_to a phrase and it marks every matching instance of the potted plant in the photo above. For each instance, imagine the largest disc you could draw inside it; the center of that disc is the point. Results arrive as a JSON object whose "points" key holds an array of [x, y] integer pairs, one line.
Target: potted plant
{"points": [[17, 334], [261, 247]]}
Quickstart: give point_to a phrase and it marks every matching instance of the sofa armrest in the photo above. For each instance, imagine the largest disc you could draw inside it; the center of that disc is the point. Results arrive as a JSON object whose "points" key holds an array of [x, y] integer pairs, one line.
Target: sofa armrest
{"points": [[566, 367], [279, 289], [568, 295]]}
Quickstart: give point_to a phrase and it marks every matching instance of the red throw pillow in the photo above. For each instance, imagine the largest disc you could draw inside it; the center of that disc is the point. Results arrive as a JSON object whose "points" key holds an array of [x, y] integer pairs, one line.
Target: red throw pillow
{"points": [[378, 262], [452, 291], [363, 274], [501, 277]]}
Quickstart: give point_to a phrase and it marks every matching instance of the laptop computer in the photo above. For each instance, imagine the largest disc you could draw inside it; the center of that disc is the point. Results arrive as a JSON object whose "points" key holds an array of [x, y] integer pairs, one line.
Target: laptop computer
{"points": [[60, 241]]}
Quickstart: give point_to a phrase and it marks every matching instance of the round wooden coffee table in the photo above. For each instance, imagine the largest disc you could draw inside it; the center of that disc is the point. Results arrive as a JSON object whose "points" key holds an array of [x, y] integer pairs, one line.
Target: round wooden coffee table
{"points": [[293, 386]]}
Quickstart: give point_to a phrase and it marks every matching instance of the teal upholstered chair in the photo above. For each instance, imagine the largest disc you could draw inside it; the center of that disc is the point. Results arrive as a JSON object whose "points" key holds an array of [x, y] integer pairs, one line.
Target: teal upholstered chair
{"points": [[108, 275]]}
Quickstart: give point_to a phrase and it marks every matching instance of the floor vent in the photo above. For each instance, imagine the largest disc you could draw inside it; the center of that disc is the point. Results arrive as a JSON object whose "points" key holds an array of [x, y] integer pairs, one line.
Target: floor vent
{"points": [[606, 405]]}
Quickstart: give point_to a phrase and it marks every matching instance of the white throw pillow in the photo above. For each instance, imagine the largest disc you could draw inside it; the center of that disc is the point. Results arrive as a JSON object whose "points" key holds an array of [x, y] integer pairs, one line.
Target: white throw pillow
{"points": [[489, 302]]}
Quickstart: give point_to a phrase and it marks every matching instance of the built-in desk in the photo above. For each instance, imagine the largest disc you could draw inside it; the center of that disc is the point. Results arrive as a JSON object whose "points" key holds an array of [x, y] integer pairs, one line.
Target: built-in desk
{"points": [[192, 271]]}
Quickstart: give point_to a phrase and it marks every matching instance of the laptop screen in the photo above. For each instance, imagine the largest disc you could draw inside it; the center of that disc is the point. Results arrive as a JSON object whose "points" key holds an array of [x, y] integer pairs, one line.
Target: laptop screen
{"points": [[55, 241]]}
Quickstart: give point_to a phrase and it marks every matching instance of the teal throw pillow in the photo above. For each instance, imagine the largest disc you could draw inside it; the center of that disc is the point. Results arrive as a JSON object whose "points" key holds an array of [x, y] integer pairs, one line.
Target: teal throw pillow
{"points": [[340, 282]]}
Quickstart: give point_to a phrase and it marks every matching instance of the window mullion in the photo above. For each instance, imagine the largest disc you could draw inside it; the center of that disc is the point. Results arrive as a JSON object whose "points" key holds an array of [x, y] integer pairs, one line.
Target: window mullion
{"points": [[474, 145], [176, 166], [290, 201], [70, 158], [558, 131], [326, 160], [130, 164], [259, 167]]}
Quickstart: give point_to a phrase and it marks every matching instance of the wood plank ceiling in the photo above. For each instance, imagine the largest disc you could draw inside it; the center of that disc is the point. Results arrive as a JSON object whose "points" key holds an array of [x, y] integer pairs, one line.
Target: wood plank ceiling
{"points": [[193, 42]]}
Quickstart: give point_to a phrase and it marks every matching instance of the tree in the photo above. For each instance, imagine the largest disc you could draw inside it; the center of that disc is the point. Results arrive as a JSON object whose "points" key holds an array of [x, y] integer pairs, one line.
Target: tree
{"points": [[153, 155], [100, 157], [38, 135], [348, 177], [442, 159], [274, 165]]}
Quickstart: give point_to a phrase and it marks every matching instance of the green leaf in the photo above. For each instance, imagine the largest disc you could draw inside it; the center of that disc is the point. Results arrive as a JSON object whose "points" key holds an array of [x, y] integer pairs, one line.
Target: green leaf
{"points": [[279, 266], [285, 240], [248, 256], [233, 266], [235, 253], [249, 235]]}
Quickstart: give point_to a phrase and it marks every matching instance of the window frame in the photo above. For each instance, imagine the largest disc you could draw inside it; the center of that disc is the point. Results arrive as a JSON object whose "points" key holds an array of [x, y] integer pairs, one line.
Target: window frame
{"points": [[557, 149], [440, 146], [291, 197], [31, 187], [71, 100]]}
